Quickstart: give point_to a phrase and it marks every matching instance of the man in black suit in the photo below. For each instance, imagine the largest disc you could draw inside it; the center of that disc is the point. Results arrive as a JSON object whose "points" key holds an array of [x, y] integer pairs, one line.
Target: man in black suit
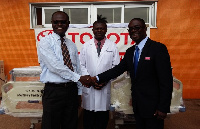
{"points": [[152, 82]]}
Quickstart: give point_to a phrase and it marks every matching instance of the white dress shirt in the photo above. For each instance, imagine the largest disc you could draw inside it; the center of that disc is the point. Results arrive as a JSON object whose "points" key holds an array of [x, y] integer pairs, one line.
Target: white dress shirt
{"points": [[52, 64]]}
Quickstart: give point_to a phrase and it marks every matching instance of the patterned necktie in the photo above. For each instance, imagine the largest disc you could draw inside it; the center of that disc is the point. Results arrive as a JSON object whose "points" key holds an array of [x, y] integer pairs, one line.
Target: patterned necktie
{"points": [[136, 56], [66, 56], [98, 48]]}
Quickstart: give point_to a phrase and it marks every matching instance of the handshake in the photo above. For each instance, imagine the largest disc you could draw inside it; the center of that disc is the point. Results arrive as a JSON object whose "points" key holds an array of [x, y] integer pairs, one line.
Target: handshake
{"points": [[89, 81]]}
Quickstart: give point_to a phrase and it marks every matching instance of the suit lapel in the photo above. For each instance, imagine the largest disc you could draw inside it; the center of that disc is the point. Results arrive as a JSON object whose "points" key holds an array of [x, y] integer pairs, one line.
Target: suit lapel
{"points": [[142, 56], [105, 47], [93, 48], [103, 51], [130, 57]]}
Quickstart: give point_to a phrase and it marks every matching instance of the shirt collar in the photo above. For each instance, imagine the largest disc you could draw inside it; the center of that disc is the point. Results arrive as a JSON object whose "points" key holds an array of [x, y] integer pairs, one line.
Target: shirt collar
{"points": [[102, 42], [57, 37], [142, 43]]}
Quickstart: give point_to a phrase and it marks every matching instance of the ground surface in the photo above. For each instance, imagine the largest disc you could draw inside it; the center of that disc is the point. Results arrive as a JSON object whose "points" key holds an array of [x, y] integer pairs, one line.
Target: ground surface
{"points": [[185, 120]]}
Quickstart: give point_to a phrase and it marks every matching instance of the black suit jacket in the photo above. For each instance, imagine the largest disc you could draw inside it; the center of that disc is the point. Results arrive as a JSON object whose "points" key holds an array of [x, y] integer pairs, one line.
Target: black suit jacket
{"points": [[153, 84]]}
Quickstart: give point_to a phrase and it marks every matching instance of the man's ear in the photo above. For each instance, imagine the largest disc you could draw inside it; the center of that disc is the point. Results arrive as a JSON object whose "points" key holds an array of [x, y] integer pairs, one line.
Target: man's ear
{"points": [[51, 23]]}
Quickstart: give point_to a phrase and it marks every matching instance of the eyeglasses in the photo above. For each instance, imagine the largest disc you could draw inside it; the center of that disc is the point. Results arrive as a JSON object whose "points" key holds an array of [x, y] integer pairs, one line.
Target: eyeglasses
{"points": [[61, 22], [136, 28]]}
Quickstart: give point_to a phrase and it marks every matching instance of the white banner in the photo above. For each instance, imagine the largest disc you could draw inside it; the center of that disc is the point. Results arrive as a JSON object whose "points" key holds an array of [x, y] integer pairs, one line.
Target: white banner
{"points": [[81, 35]]}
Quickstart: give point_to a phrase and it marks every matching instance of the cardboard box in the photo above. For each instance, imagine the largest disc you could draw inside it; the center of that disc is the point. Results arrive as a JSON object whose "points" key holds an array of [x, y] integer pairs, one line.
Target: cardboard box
{"points": [[2, 75]]}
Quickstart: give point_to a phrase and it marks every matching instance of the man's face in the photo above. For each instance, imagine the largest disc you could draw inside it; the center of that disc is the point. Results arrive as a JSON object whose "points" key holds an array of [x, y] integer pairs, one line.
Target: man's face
{"points": [[99, 31], [137, 31], [60, 23]]}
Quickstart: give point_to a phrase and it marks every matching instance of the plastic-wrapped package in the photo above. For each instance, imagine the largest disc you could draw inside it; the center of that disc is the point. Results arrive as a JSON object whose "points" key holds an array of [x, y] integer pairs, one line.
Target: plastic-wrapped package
{"points": [[177, 104], [31, 73], [21, 96], [121, 94], [22, 99], [121, 100]]}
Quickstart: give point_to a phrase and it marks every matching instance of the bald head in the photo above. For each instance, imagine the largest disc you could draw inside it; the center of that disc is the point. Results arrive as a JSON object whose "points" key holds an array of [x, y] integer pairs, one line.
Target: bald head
{"points": [[60, 12], [60, 23]]}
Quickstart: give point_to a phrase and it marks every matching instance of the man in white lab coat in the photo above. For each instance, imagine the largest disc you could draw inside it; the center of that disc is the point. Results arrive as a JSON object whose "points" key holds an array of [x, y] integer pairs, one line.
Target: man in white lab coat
{"points": [[97, 55]]}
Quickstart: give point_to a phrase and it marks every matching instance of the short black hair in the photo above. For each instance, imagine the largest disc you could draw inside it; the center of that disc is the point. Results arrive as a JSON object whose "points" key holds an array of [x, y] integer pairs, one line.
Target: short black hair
{"points": [[100, 19], [60, 12], [139, 19]]}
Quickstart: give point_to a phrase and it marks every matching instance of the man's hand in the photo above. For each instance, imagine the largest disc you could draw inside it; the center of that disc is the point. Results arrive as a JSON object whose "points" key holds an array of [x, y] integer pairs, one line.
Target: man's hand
{"points": [[94, 81], [96, 85], [86, 81], [160, 115], [99, 86], [89, 81]]}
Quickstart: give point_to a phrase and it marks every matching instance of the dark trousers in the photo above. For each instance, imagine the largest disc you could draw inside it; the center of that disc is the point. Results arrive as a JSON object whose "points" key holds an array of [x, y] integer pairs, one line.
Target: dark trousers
{"points": [[148, 123], [95, 120], [60, 106]]}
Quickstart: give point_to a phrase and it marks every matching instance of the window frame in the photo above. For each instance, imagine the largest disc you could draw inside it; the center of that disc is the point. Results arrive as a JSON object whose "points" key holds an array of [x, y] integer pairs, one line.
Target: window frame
{"points": [[95, 7], [78, 6], [92, 10], [140, 6], [43, 14]]}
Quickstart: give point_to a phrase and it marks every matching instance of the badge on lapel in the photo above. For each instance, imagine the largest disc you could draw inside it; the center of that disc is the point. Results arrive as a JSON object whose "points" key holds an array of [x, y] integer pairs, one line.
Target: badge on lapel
{"points": [[147, 58]]}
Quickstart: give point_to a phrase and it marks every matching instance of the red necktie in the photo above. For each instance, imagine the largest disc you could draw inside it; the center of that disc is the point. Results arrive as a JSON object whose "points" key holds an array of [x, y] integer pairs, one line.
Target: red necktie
{"points": [[66, 56]]}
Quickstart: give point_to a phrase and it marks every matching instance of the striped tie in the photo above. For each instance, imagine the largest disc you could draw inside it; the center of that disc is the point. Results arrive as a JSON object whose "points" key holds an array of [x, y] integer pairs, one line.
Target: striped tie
{"points": [[65, 53]]}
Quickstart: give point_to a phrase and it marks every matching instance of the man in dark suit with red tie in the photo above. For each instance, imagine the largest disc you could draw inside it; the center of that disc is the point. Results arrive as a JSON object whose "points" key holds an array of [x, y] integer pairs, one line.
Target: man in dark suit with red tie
{"points": [[151, 78]]}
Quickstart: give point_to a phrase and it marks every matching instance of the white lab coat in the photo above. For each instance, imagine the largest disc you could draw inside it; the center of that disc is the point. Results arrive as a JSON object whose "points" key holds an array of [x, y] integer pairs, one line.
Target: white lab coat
{"points": [[91, 64]]}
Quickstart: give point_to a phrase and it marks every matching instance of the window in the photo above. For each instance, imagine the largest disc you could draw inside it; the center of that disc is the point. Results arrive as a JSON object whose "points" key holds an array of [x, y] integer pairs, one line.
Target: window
{"points": [[77, 14], [113, 13], [86, 12], [142, 12], [47, 12]]}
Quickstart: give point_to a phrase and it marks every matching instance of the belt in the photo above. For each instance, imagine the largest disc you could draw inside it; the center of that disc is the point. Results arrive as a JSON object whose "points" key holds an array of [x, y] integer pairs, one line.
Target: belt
{"points": [[68, 84]]}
